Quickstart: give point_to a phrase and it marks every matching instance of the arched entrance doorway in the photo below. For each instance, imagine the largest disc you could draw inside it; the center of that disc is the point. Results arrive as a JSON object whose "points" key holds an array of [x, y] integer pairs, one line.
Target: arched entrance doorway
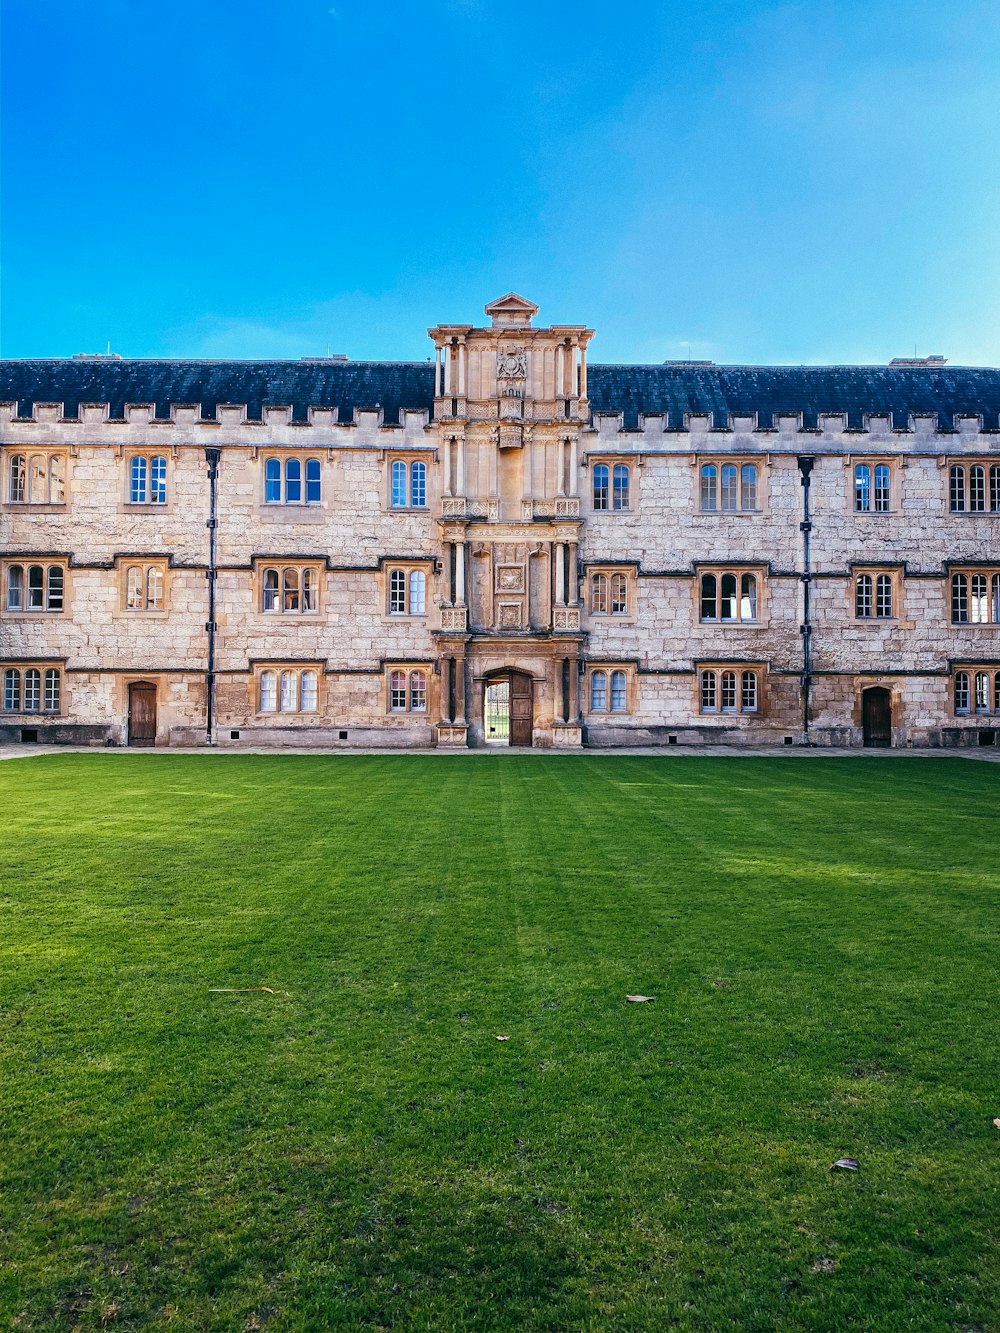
{"points": [[142, 713], [508, 699], [876, 716]]}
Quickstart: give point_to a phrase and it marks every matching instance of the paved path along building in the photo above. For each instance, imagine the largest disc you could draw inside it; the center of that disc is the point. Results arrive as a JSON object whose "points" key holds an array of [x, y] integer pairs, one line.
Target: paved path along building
{"points": [[504, 544]]}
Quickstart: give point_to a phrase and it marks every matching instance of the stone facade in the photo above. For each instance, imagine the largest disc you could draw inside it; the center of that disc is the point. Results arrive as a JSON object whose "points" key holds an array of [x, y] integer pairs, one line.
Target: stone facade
{"points": [[625, 562]]}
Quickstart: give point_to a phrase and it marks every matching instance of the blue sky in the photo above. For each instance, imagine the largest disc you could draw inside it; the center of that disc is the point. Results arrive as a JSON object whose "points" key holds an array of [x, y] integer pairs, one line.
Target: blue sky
{"points": [[743, 182]]}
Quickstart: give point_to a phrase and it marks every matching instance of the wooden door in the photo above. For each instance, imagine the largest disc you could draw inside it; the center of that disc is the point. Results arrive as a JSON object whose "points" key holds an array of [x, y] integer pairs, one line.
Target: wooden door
{"points": [[142, 713], [876, 705], [520, 709]]}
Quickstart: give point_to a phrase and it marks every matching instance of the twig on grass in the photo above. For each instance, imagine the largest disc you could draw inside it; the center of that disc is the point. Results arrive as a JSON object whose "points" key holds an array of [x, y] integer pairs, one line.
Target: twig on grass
{"points": [[244, 990]]}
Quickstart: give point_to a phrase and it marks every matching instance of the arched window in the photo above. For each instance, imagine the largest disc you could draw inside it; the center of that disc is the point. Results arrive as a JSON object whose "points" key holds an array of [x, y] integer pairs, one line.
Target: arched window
{"points": [[995, 487], [38, 479], [977, 489], [418, 692], [12, 691], [862, 488], [599, 692], [397, 592], [881, 489], [748, 701], [728, 598], [863, 596], [883, 595], [960, 599], [599, 594], [57, 479], [398, 497], [157, 480], [728, 692], [749, 484], [995, 599], [748, 597], [138, 474], [397, 691], [289, 593], [313, 483], [619, 595], [730, 487], [418, 485], [54, 588], [271, 602], [36, 588], [962, 692], [293, 481], [15, 489], [709, 485], [979, 612], [602, 474], [709, 692], [310, 691], [619, 693], [133, 588], [50, 699], [709, 595], [289, 692], [418, 584], [957, 489], [15, 588], [621, 486], [32, 690], [268, 691], [272, 481], [309, 599], [982, 692], [154, 588]]}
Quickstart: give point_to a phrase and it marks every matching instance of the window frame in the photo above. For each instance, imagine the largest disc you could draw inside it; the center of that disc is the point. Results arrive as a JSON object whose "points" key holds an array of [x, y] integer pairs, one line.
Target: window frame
{"points": [[964, 683], [54, 592], [730, 680], [291, 579], [959, 595], [307, 462], [616, 578], [745, 488], [416, 484], [275, 674], [42, 673], [163, 475], [610, 491], [971, 472], [404, 574], [880, 576], [741, 573], [618, 682], [410, 674], [876, 504], [56, 472], [147, 568]]}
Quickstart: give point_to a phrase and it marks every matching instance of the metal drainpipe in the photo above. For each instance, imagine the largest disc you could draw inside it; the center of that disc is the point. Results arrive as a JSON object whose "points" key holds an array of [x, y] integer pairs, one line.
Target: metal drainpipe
{"points": [[212, 457], [805, 462]]}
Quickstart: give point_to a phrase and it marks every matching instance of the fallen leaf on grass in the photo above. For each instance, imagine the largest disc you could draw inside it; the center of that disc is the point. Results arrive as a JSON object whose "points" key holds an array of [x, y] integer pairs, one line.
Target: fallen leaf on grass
{"points": [[244, 990], [845, 1164], [503, 1038], [639, 999], [997, 1122]]}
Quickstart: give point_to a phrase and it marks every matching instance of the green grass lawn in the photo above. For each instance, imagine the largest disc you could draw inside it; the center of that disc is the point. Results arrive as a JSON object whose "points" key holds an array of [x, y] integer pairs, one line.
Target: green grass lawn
{"points": [[358, 1150]]}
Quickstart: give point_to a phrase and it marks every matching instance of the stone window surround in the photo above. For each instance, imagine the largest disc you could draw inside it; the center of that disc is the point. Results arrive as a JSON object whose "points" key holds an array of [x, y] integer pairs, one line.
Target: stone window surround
{"points": [[42, 666], [408, 668], [985, 461], [609, 570], [971, 670], [758, 668], [279, 667], [130, 506], [730, 567], [594, 667], [895, 573], [760, 461], [282, 563], [46, 562], [610, 460], [409, 457], [27, 452], [990, 573], [283, 453], [422, 565], [872, 461], [123, 564]]}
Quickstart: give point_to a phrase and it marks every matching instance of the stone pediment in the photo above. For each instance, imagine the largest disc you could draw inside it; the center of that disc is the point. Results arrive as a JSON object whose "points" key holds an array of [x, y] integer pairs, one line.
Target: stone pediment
{"points": [[511, 312]]}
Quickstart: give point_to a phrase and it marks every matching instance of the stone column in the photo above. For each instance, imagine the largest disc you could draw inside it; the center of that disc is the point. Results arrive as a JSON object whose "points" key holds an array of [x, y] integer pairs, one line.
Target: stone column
{"points": [[460, 449], [573, 595], [437, 370], [448, 488], [461, 369], [460, 573], [573, 486], [559, 549], [460, 691], [574, 691]]}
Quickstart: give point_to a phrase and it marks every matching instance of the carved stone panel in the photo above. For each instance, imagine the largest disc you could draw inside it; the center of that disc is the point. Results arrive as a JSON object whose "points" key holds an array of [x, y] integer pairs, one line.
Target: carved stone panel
{"points": [[453, 617], [566, 618], [510, 578], [510, 615]]}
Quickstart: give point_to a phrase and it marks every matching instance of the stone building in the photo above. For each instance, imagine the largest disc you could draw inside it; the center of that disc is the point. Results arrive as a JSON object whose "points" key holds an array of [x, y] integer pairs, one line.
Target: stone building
{"points": [[502, 544]]}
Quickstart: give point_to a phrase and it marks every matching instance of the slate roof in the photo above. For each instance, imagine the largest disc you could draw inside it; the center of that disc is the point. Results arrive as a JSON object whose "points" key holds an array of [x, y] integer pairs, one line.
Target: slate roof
{"points": [[673, 389]]}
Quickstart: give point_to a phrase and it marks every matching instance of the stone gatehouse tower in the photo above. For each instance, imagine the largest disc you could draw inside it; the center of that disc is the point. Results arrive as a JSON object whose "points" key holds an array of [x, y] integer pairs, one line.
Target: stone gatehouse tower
{"points": [[498, 545]]}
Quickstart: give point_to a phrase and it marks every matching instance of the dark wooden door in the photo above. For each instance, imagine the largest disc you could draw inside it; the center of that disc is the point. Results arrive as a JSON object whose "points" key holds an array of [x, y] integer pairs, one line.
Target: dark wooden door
{"points": [[520, 709], [142, 713], [876, 706]]}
